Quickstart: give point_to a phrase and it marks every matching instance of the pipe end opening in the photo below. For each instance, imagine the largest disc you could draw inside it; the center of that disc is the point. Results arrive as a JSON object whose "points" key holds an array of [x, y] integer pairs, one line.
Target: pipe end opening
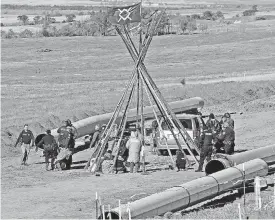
{"points": [[114, 215], [38, 138], [214, 166]]}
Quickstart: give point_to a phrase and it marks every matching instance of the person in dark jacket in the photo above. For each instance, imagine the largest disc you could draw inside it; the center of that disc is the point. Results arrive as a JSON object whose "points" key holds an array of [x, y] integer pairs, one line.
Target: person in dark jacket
{"points": [[213, 124], [50, 148], [229, 120], [27, 139], [67, 135], [207, 147], [180, 161], [228, 138], [95, 137]]}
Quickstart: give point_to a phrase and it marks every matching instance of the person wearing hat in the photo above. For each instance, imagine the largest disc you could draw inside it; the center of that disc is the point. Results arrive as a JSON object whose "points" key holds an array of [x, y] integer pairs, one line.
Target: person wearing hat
{"points": [[227, 136], [27, 139], [67, 134], [229, 120], [213, 124], [50, 148], [207, 147]]}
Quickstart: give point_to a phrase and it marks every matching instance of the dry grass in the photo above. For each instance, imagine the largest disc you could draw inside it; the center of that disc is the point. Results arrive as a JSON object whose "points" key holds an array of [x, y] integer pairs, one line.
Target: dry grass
{"points": [[83, 74]]}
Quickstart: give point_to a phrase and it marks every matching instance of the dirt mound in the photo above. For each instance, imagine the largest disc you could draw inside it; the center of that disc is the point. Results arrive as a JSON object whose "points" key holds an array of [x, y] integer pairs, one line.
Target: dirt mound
{"points": [[231, 96]]}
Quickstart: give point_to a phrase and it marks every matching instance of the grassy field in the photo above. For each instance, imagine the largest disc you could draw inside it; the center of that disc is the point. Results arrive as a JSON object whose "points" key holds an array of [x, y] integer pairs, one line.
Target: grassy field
{"points": [[84, 76]]}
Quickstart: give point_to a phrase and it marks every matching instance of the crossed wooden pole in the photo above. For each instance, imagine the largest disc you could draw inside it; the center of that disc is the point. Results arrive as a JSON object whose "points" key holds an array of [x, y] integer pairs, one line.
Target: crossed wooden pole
{"points": [[141, 79]]}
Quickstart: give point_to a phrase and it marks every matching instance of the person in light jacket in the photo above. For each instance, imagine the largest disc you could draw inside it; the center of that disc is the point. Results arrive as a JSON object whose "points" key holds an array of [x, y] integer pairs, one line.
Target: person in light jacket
{"points": [[134, 146]]}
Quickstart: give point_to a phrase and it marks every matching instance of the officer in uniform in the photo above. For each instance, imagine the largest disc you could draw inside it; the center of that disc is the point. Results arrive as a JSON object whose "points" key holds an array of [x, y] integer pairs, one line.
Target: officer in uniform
{"points": [[207, 147], [50, 148], [27, 139]]}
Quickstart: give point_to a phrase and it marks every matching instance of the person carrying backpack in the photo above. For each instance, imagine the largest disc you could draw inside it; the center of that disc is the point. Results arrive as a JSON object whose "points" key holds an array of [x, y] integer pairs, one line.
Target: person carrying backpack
{"points": [[50, 149]]}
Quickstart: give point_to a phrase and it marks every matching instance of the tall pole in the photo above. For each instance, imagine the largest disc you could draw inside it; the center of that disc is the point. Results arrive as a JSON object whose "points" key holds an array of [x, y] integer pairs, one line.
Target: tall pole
{"points": [[141, 104]]}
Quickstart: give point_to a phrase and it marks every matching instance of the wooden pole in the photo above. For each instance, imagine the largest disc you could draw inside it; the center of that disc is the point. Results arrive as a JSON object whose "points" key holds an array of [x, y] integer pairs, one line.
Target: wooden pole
{"points": [[96, 205], [129, 211], [141, 107], [119, 210], [110, 215], [257, 190], [171, 115], [159, 125], [103, 212], [244, 199], [239, 211]]}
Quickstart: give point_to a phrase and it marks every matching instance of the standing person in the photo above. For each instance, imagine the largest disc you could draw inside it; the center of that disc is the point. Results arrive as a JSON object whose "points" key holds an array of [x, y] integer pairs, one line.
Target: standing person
{"points": [[50, 149], [213, 123], [134, 146], [207, 147], [27, 139], [154, 135], [223, 120], [228, 138], [180, 161], [72, 131], [229, 120], [95, 137], [63, 135]]}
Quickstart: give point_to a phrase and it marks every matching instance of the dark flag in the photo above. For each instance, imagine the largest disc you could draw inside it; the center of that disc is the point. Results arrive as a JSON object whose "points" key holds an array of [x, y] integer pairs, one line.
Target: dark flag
{"points": [[125, 15]]}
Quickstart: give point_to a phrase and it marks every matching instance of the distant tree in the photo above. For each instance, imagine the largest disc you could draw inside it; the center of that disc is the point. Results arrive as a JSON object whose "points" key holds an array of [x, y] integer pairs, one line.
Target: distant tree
{"points": [[45, 32], [255, 8], [70, 17], [248, 13], [208, 15], [23, 18], [187, 23], [191, 26], [37, 19], [2, 25], [101, 20], [92, 13], [10, 34], [163, 24], [196, 16], [51, 20], [3, 34], [183, 23], [81, 13], [219, 14], [26, 34]]}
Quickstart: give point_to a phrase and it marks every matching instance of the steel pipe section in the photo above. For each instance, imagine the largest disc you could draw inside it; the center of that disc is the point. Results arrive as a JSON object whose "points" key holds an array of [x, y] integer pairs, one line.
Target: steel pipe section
{"points": [[86, 126], [193, 192], [222, 161]]}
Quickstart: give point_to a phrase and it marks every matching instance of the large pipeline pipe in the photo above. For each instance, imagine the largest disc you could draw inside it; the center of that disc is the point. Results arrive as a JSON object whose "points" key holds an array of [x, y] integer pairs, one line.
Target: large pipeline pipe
{"points": [[223, 161], [86, 126], [193, 192]]}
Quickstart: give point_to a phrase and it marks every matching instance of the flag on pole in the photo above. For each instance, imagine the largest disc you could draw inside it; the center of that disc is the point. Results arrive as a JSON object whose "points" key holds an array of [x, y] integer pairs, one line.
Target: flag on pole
{"points": [[125, 15]]}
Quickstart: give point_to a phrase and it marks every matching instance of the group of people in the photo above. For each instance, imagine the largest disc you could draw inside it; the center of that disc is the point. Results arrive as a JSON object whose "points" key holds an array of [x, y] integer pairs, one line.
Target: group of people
{"points": [[217, 137], [130, 149], [53, 150]]}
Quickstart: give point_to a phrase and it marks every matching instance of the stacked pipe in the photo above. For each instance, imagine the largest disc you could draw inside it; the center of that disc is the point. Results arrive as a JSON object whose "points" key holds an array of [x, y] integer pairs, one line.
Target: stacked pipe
{"points": [[193, 192], [86, 126], [223, 161]]}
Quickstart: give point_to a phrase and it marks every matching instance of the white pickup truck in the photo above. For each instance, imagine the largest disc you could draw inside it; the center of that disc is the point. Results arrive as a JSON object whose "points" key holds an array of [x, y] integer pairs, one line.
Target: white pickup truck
{"points": [[193, 125]]}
